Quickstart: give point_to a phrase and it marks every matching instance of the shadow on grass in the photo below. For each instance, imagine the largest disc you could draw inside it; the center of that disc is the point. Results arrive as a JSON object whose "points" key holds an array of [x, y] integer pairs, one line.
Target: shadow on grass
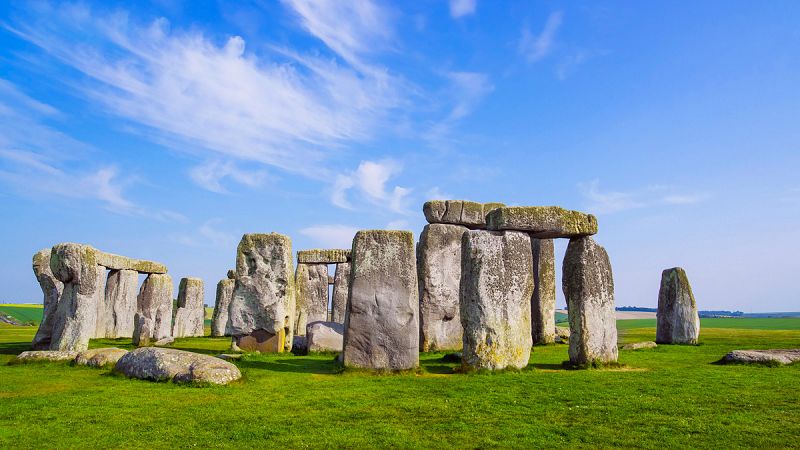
{"points": [[293, 364], [14, 348], [438, 369]]}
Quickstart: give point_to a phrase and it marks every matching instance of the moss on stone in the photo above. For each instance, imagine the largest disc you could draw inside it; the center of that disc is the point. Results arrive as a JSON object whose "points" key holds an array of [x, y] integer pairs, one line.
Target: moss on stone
{"points": [[323, 256], [543, 221]]}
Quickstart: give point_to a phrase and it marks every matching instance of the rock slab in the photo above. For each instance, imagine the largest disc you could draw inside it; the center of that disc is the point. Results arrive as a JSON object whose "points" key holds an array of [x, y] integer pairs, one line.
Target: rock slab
{"points": [[52, 289], [381, 329], [458, 212], [120, 303], [220, 321], [543, 301], [190, 313], [639, 345], [100, 357], [323, 256], [543, 222], [75, 321], [311, 282], [44, 356], [780, 357], [341, 289], [324, 337], [678, 321], [163, 364], [154, 303]]}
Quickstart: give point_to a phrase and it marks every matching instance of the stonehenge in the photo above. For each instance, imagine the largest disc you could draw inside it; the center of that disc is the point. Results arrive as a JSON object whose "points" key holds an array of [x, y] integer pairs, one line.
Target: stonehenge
{"points": [[678, 321], [543, 301], [220, 321], [311, 283], [190, 311], [120, 303], [51, 288], [341, 289]]}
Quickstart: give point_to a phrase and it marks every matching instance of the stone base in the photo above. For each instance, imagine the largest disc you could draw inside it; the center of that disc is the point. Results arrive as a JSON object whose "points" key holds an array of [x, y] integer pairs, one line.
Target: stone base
{"points": [[261, 341]]}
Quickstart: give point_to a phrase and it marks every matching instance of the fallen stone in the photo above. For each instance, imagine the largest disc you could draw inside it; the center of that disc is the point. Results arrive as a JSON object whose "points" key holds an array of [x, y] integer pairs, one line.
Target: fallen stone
{"points": [[117, 262], [589, 290], [324, 337], [230, 356], [262, 310], [163, 364], [75, 320], [220, 321], [439, 272], [678, 321], [120, 303], [341, 289], [543, 302], [163, 342], [142, 330], [562, 332], [320, 256], [639, 345], [382, 318], [458, 212], [495, 301], [779, 357], [100, 357], [155, 303], [190, 313], [44, 356], [311, 282], [542, 222], [52, 289]]}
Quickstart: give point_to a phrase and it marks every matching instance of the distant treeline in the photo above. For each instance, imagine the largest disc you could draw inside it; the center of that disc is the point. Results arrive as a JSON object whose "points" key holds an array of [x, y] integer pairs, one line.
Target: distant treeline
{"points": [[720, 313]]}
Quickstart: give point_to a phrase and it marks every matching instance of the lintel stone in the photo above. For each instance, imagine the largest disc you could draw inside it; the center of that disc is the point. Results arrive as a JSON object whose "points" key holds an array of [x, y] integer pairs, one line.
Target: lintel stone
{"points": [[323, 256], [543, 222]]}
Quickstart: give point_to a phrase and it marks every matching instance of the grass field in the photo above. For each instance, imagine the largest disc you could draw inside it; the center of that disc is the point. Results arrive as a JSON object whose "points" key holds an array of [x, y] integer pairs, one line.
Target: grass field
{"points": [[24, 313], [665, 397]]}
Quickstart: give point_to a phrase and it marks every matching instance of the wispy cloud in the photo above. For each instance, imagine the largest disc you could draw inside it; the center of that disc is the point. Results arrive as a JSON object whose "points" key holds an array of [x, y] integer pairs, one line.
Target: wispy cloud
{"points": [[534, 47], [369, 181], [461, 8], [465, 92], [608, 202], [208, 235], [211, 174], [331, 236]]}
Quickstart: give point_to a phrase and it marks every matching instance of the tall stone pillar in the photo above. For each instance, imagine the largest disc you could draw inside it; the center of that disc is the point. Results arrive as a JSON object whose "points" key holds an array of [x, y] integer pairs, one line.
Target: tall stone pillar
{"points": [[220, 322], [120, 302], [341, 289], [678, 318], [154, 307], [311, 282], [75, 320], [52, 289], [103, 309], [543, 302], [190, 313]]}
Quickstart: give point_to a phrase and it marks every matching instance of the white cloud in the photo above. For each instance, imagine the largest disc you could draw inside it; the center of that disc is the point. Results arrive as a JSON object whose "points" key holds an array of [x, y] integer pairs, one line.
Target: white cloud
{"points": [[208, 235], [461, 8], [370, 180], [608, 202], [465, 92], [536, 47], [331, 236], [435, 193], [397, 225], [211, 174], [686, 199]]}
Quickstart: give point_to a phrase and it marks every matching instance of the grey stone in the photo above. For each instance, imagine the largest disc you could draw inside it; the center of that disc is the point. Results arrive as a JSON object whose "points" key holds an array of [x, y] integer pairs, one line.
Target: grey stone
{"points": [[75, 320], [439, 273], [341, 289], [639, 345], [382, 317], [311, 283], [543, 222], [117, 262], [562, 335], [779, 357], [52, 289], [458, 212], [231, 274], [323, 256], [190, 313], [230, 356], [331, 280], [299, 345], [324, 337], [220, 321], [44, 356], [163, 364], [588, 286], [169, 340], [678, 321], [100, 357], [142, 330], [155, 303], [262, 311], [496, 289], [543, 302], [103, 316], [120, 303]]}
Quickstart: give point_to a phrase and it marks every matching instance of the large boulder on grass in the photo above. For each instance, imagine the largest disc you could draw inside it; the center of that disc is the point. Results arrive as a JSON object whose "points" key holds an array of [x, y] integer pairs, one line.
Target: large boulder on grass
{"points": [[100, 357], [324, 337], [44, 356], [767, 357], [164, 364]]}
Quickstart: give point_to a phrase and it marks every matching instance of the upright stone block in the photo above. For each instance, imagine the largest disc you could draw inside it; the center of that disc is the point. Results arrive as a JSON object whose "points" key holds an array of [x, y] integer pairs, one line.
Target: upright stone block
{"points": [[190, 314], [75, 321], [262, 310], [220, 322], [154, 304], [382, 318], [589, 290], [103, 318], [120, 303], [543, 302], [341, 289], [311, 282], [52, 289], [439, 272], [678, 319], [496, 289]]}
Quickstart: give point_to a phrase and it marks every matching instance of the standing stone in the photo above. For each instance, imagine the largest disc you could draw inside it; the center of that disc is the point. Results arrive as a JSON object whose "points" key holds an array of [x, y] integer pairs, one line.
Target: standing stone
{"points": [[51, 288], [341, 289], [220, 322], [262, 310], [311, 282], [120, 302], [496, 290], [381, 329], [190, 315], [678, 319], [589, 290], [142, 330], [543, 302], [439, 271], [324, 337], [154, 303], [75, 320], [103, 315]]}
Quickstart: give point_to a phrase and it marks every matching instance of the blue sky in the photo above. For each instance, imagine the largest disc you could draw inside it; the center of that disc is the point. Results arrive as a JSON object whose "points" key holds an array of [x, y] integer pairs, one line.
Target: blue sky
{"points": [[166, 130]]}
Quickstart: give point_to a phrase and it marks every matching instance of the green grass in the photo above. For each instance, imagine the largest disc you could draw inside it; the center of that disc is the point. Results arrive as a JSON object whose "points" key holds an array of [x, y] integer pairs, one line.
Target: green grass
{"points": [[23, 313], [788, 323], [671, 396]]}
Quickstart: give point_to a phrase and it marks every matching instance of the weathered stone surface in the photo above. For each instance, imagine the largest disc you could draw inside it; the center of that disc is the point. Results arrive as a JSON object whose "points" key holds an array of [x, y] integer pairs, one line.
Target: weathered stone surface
{"points": [[220, 321], [439, 274], [44, 356], [639, 345], [382, 317], [155, 303], [163, 342], [162, 364], [120, 303], [589, 290], [678, 321], [190, 313], [142, 330], [100, 357], [562, 335], [263, 303], [331, 280], [543, 222], [495, 301], [311, 282], [543, 302], [117, 262], [231, 274], [323, 256], [458, 212], [103, 318], [324, 337], [75, 320], [51, 288], [762, 357], [230, 356], [299, 345], [341, 289]]}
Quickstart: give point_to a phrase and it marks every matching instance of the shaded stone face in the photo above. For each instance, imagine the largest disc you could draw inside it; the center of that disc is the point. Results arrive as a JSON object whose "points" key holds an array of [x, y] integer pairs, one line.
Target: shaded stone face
{"points": [[323, 256], [104, 320], [262, 341], [75, 320], [220, 322], [382, 318], [678, 321], [543, 302], [341, 289], [543, 222], [589, 290], [120, 303], [264, 292], [324, 337], [52, 289], [458, 212], [142, 330], [190, 313], [439, 272], [155, 303], [311, 282], [496, 289]]}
